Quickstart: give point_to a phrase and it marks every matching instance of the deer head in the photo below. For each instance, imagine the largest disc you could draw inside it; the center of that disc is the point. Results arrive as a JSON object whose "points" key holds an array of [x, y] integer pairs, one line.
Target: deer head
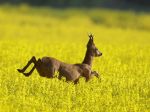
{"points": [[92, 48]]}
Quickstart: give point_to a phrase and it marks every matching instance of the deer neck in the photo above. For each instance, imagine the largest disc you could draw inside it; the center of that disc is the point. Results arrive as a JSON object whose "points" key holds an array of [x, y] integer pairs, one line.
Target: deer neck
{"points": [[88, 58]]}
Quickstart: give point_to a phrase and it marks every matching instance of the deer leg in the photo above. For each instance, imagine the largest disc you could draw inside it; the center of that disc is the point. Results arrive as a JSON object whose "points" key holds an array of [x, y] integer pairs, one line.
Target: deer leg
{"points": [[68, 79], [87, 79], [76, 81], [60, 76], [33, 59], [29, 73], [95, 73], [87, 76], [51, 74]]}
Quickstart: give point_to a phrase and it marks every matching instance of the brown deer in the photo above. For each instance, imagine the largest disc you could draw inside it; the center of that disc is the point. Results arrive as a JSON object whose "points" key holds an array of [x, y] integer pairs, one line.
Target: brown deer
{"points": [[47, 66]]}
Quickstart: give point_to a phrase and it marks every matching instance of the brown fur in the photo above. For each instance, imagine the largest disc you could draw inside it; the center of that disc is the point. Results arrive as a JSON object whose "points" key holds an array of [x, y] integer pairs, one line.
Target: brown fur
{"points": [[47, 66]]}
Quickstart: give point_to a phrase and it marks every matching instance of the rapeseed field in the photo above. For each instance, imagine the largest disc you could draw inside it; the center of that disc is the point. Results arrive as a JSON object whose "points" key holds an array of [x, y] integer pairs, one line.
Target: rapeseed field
{"points": [[122, 36]]}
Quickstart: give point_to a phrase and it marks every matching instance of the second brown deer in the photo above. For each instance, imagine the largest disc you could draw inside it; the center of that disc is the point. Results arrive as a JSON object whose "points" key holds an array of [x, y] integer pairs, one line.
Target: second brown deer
{"points": [[47, 66]]}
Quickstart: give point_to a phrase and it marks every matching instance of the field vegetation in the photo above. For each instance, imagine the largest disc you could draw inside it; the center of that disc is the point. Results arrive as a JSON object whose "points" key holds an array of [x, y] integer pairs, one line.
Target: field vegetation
{"points": [[122, 36]]}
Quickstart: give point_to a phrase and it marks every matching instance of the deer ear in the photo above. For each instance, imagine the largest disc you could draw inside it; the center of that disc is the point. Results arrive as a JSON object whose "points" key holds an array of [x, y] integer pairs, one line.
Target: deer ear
{"points": [[92, 38]]}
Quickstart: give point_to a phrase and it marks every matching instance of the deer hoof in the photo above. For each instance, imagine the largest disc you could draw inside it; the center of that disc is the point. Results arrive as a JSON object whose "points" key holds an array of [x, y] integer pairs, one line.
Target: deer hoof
{"points": [[20, 71], [26, 74], [97, 75]]}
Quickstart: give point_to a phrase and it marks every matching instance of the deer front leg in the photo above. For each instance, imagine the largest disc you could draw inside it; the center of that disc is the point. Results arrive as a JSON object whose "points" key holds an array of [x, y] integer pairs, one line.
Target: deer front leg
{"points": [[95, 73], [60, 76], [89, 76], [33, 59], [76, 81]]}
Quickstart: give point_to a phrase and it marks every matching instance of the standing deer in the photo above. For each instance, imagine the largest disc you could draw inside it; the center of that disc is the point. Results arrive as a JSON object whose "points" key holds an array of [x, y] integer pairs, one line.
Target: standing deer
{"points": [[47, 66]]}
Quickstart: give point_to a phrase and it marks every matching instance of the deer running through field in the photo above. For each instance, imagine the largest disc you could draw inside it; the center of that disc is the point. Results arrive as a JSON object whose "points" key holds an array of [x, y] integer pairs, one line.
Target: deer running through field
{"points": [[47, 66]]}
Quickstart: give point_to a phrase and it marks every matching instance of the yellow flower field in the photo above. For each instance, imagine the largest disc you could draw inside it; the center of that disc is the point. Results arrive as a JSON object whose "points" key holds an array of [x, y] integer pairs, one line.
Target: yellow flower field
{"points": [[122, 36]]}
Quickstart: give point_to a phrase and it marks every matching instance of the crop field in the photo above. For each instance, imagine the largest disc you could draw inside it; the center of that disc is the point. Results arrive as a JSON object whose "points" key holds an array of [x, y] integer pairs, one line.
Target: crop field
{"points": [[122, 36]]}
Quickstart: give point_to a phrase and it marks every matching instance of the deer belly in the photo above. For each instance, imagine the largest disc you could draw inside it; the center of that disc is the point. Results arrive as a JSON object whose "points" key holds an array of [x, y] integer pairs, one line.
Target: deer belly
{"points": [[70, 74]]}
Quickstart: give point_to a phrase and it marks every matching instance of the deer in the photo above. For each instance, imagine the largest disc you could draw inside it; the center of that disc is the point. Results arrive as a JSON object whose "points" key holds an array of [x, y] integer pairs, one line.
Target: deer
{"points": [[47, 66]]}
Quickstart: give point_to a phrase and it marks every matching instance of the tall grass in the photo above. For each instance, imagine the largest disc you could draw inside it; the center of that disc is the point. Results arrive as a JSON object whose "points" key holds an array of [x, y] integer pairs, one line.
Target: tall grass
{"points": [[122, 37]]}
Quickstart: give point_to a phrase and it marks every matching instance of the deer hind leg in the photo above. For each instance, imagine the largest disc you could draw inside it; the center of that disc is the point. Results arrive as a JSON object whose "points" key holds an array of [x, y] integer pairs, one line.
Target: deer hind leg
{"points": [[29, 73], [38, 66], [33, 59], [50, 73]]}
